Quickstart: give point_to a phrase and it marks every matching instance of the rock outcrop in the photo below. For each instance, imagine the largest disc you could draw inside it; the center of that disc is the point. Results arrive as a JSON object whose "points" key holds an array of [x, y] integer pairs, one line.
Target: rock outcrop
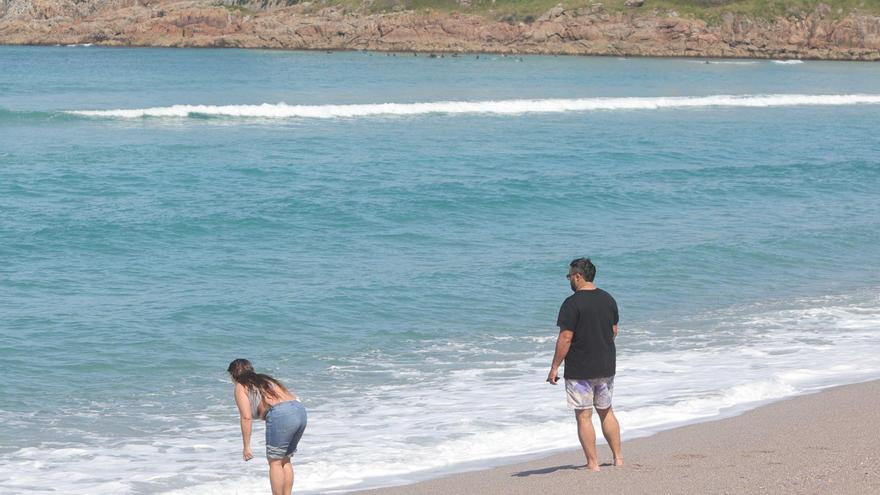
{"points": [[587, 31]]}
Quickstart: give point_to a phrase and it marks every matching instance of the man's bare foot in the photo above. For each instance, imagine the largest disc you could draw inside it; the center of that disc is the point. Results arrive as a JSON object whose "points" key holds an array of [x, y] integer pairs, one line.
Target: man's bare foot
{"points": [[594, 467], [618, 462]]}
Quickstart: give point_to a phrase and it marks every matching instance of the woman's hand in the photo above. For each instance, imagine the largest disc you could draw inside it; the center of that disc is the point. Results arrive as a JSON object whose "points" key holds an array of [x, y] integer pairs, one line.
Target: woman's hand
{"points": [[246, 454]]}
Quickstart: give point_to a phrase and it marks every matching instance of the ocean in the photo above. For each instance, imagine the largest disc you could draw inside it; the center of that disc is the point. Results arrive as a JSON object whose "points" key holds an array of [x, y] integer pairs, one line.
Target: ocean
{"points": [[389, 236]]}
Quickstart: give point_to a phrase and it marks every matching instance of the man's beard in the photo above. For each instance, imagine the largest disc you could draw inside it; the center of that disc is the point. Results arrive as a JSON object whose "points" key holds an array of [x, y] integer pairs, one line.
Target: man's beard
{"points": [[573, 287]]}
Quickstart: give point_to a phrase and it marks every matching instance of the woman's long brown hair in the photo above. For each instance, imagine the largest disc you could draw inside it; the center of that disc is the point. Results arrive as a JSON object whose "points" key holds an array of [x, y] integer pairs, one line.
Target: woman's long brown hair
{"points": [[242, 371]]}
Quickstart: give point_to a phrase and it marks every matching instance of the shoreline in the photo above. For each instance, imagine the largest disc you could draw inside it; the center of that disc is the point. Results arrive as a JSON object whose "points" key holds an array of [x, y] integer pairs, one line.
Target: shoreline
{"points": [[451, 53], [786, 446], [445, 54]]}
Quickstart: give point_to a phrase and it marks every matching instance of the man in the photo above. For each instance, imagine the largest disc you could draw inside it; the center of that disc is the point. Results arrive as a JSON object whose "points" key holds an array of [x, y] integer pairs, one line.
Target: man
{"points": [[587, 329]]}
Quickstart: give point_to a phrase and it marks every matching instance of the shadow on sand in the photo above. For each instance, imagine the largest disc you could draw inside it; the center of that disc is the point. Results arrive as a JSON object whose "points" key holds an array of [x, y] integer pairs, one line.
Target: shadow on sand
{"points": [[546, 470]]}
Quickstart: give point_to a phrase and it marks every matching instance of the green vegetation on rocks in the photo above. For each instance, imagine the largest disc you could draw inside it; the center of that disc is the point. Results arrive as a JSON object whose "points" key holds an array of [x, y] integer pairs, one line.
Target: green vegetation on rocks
{"points": [[527, 11], [838, 30]]}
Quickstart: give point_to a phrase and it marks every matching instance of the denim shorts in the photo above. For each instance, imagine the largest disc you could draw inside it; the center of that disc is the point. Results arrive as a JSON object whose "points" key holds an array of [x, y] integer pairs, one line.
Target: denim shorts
{"points": [[285, 424]]}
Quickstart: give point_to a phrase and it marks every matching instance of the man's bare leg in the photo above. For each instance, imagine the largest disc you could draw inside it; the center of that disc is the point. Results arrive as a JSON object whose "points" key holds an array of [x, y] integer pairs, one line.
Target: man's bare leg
{"points": [[587, 436], [611, 431]]}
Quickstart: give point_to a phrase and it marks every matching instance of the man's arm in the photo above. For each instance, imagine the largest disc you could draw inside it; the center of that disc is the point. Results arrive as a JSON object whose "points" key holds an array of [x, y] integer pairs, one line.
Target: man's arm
{"points": [[614, 332], [563, 343]]}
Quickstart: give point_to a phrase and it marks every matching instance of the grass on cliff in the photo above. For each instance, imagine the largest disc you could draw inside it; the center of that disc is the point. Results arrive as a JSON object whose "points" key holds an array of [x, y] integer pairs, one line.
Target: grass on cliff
{"points": [[527, 11], [236, 8]]}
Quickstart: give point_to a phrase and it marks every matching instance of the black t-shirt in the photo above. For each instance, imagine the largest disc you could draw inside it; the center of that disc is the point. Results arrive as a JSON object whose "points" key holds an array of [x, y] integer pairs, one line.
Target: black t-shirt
{"points": [[590, 314]]}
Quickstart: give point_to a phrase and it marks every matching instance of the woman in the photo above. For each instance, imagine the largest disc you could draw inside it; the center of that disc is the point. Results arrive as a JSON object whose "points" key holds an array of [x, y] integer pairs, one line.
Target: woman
{"points": [[263, 397]]}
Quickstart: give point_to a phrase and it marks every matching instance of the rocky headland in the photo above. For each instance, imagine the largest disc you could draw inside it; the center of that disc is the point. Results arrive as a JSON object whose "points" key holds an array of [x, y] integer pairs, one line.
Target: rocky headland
{"points": [[820, 33]]}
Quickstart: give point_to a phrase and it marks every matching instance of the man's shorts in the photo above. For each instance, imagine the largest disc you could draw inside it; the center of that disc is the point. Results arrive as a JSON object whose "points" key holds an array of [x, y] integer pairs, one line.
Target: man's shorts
{"points": [[592, 392]]}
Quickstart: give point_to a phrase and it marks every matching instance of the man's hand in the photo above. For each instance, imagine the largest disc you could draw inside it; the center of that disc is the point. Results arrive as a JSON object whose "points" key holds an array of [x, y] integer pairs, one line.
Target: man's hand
{"points": [[563, 342], [553, 376], [246, 454]]}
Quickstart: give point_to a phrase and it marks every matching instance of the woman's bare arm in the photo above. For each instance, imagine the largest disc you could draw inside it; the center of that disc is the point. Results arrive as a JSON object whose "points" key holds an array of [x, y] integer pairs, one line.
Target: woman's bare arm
{"points": [[244, 412]]}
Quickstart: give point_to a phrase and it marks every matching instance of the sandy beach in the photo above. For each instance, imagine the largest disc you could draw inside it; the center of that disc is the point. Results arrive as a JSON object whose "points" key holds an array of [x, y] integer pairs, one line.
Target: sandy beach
{"points": [[825, 442]]}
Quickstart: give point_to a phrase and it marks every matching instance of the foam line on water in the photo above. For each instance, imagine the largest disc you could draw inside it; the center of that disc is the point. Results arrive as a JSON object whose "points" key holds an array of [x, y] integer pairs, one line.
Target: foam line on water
{"points": [[461, 410], [497, 107], [725, 62]]}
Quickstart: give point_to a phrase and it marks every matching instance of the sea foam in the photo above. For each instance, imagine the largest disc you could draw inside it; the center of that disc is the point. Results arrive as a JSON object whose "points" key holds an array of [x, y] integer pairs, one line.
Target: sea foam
{"points": [[497, 107], [458, 416]]}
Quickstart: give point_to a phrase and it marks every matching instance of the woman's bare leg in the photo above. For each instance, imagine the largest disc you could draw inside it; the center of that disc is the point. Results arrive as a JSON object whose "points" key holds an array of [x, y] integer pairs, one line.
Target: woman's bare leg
{"points": [[288, 476], [276, 476]]}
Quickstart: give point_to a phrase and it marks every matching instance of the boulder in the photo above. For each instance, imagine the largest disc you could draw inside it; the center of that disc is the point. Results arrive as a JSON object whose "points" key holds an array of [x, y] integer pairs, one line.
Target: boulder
{"points": [[634, 3], [583, 32], [552, 13], [544, 31], [872, 42]]}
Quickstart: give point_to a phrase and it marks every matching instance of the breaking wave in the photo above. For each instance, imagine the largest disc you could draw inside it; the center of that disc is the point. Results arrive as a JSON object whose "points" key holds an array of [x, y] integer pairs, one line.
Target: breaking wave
{"points": [[499, 107]]}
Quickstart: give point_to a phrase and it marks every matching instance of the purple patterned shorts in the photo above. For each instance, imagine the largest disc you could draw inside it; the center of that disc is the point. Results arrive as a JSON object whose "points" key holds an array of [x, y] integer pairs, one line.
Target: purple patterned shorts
{"points": [[593, 392]]}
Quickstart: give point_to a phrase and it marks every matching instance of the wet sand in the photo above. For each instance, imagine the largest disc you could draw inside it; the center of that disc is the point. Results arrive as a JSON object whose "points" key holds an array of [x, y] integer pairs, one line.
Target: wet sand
{"points": [[828, 442]]}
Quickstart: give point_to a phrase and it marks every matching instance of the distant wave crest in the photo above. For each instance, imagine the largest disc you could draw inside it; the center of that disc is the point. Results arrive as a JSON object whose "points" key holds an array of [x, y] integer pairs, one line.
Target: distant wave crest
{"points": [[498, 107], [16, 116]]}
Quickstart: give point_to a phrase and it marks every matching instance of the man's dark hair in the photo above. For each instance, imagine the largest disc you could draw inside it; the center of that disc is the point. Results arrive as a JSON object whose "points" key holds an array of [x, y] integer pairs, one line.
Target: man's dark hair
{"points": [[585, 267]]}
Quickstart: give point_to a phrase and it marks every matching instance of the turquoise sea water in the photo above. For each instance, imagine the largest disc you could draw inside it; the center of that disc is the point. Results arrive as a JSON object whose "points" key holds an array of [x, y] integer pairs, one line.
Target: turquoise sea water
{"points": [[400, 267]]}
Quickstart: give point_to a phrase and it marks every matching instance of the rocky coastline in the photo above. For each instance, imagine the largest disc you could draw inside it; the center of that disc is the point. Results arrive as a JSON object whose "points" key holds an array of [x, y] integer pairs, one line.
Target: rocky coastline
{"points": [[591, 30]]}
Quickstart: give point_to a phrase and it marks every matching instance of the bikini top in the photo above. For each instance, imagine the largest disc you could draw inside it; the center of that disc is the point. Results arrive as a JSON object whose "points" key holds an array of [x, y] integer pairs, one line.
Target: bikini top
{"points": [[255, 398]]}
